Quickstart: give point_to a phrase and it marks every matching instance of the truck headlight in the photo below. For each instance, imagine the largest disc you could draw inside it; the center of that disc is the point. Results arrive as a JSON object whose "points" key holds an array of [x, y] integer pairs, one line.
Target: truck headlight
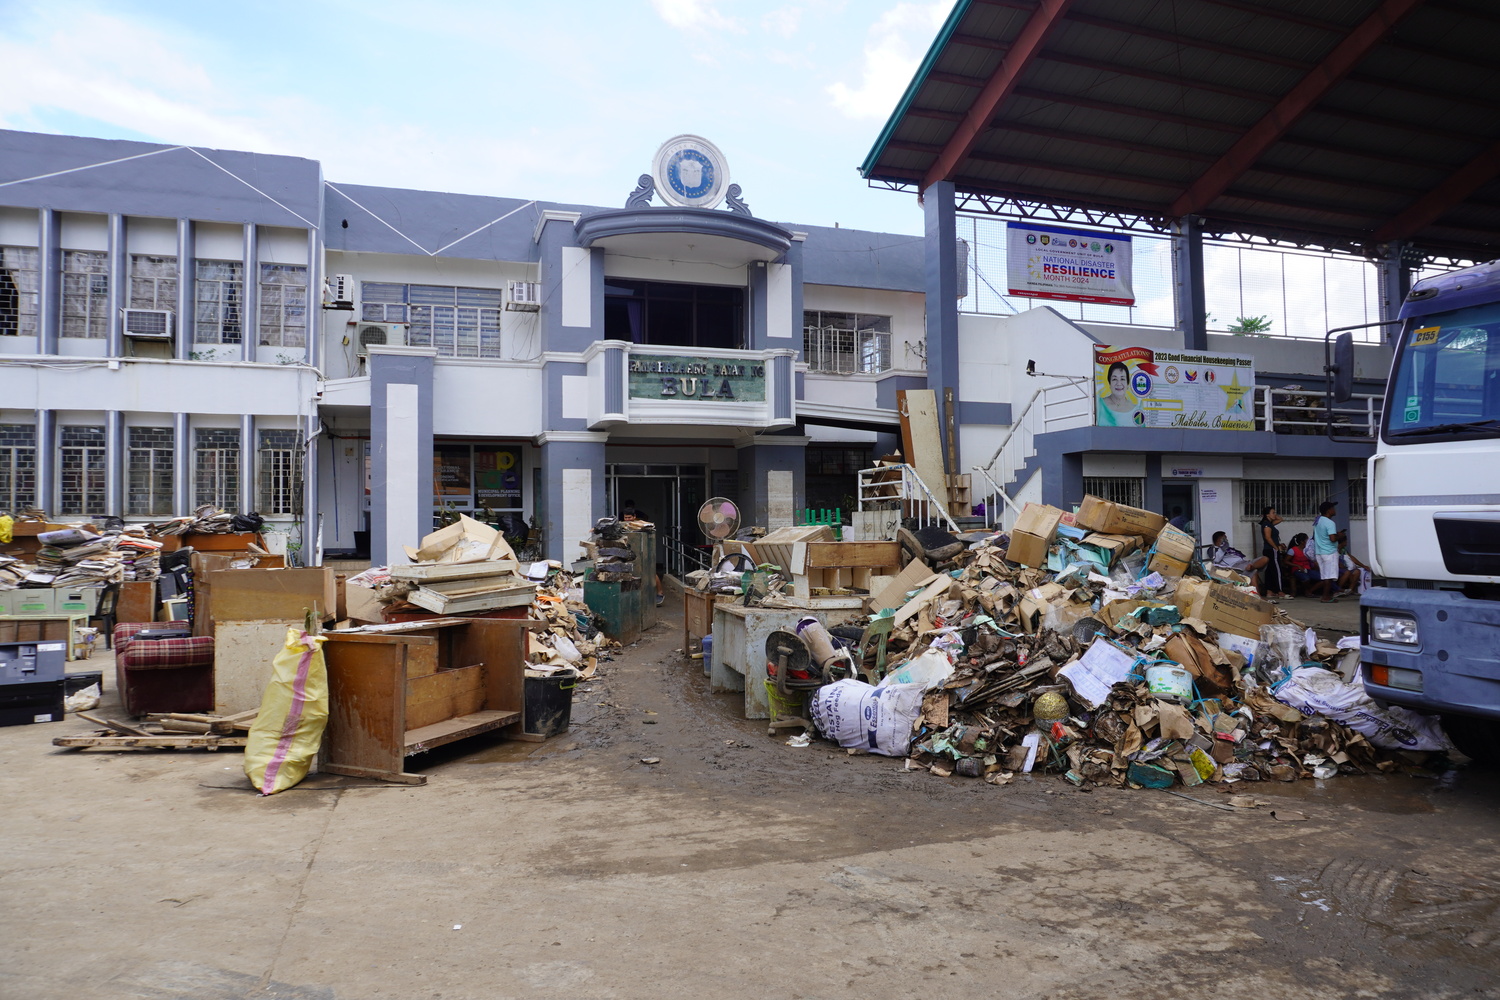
{"points": [[1388, 627]]}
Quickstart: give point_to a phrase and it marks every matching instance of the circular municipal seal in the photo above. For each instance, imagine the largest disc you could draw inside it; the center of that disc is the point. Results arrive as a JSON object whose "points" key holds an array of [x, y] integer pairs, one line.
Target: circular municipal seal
{"points": [[690, 172]]}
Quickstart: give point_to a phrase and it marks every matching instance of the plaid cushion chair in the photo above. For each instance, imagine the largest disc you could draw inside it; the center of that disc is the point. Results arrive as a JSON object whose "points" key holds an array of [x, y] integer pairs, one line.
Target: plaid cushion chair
{"points": [[163, 675]]}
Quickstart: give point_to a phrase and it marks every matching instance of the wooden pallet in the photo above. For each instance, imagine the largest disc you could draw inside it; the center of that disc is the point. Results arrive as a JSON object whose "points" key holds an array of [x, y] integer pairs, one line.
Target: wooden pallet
{"points": [[165, 731]]}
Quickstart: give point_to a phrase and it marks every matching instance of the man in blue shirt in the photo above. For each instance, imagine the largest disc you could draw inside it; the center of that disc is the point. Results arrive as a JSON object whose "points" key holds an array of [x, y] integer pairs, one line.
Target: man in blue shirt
{"points": [[1325, 549]]}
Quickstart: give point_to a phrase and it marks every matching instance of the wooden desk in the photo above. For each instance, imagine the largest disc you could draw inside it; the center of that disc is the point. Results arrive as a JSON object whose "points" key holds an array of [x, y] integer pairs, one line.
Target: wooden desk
{"points": [[407, 688], [697, 618]]}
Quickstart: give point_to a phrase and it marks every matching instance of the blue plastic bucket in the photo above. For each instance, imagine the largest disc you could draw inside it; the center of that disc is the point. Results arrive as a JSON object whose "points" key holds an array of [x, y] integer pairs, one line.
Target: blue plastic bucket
{"points": [[708, 655]]}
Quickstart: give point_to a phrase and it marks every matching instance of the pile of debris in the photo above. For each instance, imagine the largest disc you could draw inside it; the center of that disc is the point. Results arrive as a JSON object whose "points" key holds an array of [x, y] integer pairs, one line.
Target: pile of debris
{"points": [[209, 520], [81, 557], [1096, 645]]}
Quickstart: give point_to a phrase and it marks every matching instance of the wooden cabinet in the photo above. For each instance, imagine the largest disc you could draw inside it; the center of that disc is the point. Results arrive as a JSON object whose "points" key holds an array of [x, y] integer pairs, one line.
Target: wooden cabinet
{"points": [[407, 688]]}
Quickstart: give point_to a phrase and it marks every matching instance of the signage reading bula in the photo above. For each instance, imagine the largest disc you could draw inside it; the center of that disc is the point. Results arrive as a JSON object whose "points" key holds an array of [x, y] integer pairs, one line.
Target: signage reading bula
{"points": [[665, 376]]}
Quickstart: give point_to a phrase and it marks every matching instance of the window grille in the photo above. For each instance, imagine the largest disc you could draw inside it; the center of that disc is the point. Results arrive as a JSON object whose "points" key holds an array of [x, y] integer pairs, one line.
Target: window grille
{"points": [[459, 322], [1294, 499], [1357, 495], [81, 476], [149, 471], [845, 343], [85, 294], [1127, 490], [219, 297], [17, 467], [153, 282], [280, 473], [19, 282], [216, 467], [283, 305]]}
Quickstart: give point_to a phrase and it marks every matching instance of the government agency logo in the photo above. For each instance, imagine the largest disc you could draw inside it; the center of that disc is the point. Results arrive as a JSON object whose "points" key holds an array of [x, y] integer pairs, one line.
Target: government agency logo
{"points": [[690, 172]]}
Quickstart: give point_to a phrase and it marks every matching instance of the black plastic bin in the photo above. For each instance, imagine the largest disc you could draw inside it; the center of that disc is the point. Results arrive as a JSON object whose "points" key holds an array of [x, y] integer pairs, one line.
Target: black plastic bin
{"points": [[548, 702]]}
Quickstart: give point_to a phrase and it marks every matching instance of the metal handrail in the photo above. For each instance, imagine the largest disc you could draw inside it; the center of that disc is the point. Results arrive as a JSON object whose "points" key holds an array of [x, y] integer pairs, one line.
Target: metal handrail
{"points": [[909, 478], [680, 553]]}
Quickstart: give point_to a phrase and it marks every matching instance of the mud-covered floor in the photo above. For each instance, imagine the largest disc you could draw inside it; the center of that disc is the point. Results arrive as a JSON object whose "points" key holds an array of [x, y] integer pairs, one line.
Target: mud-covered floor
{"points": [[734, 867]]}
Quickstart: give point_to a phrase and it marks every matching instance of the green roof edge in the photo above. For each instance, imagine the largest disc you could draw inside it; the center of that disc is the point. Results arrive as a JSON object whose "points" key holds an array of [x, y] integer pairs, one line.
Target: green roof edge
{"points": [[950, 26]]}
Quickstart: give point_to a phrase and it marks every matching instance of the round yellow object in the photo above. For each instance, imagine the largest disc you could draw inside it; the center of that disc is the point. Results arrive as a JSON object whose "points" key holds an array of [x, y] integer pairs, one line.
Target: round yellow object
{"points": [[1050, 707]]}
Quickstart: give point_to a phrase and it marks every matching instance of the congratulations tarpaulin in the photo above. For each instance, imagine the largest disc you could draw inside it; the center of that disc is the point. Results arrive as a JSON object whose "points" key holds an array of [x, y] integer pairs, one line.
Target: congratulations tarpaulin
{"points": [[1141, 387], [1047, 262]]}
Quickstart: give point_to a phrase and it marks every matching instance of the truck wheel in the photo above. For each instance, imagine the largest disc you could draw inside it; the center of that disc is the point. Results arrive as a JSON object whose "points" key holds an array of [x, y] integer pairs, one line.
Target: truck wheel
{"points": [[1477, 738]]}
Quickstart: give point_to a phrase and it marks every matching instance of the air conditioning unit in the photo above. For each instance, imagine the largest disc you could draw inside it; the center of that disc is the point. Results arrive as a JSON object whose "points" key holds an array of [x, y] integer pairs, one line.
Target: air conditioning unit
{"points": [[525, 296], [147, 324], [340, 291], [379, 335]]}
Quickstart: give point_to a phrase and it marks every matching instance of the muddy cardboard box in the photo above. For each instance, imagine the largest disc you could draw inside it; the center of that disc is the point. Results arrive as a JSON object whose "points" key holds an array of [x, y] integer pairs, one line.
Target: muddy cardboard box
{"points": [[1171, 553], [1232, 610], [1034, 531], [1109, 518], [1115, 547]]}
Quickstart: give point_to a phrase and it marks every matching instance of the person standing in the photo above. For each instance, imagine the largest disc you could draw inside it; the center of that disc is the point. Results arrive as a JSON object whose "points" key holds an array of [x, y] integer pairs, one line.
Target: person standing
{"points": [[1325, 549], [1271, 548]]}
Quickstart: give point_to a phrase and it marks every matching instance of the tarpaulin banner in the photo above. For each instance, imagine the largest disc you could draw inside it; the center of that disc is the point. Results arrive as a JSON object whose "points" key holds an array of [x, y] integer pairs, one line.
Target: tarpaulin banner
{"points": [[1142, 387], [1048, 262]]}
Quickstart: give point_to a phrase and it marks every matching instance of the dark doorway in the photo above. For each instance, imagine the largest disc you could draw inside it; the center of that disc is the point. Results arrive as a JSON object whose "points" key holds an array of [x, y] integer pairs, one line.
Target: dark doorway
{"points": [[1181, 498]]}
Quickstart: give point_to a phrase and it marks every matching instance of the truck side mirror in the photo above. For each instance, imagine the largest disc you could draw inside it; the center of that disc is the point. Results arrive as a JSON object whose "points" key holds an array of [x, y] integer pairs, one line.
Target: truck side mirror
{"points": [[1342, 369]]}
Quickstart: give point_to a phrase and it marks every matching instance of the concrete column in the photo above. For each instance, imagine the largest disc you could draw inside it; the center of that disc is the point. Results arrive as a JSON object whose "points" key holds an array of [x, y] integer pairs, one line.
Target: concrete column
{"points": [[250, 324], [773, 473], [187, 270], [115, 458], [941, 247], [572, 497], [49, 266], [248, 463], [572, 277], [757, 307], [315, 298], [119, 286], [1393, 270], [312, 518], [400, 449], [46, 459], [1152, 496], [1187, 277], [182, 463]]}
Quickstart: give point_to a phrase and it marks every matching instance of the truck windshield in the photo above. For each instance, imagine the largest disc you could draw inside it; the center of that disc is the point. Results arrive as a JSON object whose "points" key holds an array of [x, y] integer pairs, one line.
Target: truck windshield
{"points": [[1447, 378]]}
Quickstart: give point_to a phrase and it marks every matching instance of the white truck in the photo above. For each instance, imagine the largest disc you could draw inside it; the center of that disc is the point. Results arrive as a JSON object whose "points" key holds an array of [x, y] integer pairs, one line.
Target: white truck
{"points": [[1430, 628]]}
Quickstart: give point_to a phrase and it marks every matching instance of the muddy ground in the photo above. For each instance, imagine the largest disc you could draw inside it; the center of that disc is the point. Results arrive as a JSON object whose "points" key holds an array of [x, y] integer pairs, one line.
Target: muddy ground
{"points": [[735, 867]]}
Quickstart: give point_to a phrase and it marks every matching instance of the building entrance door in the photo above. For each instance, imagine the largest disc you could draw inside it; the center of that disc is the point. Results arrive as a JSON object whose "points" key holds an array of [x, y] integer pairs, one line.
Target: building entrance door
{"points": [[669, 497], [1178, 497]]}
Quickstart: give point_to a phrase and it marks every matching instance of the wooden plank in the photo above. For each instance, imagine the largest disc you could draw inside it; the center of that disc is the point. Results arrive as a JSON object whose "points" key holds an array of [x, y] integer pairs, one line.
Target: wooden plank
{"points": [[920, 441], [489, 600], [875, 555], [444, 695], [208, 742], [462, 727], [499, 644], [136, 602], [264, 594], [119, 727], [894, 595], [404, 777], [455, 571]]}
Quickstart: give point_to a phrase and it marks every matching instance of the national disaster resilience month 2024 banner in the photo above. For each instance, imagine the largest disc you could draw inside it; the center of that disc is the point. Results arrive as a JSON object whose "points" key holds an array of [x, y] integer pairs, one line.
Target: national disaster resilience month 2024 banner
{"points": [[1141, 387], [1047, 262]]}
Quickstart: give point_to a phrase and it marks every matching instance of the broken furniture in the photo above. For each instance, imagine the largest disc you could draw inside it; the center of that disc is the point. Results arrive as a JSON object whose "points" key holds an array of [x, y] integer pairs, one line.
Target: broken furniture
{"points": [[787, 656], [164, 730], [740, 635], [163, 675], [628, 607], [824, 569], [261, 595], [63, 628], [697, 618], [398, 690]]}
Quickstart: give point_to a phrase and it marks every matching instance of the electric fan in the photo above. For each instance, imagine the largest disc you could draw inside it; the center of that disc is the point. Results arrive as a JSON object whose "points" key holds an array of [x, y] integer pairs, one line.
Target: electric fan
{"points": [[719, 519]]}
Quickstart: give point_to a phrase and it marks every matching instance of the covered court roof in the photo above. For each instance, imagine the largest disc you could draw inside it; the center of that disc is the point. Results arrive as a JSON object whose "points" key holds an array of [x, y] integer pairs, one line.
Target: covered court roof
{"points": [[1349, 123]]}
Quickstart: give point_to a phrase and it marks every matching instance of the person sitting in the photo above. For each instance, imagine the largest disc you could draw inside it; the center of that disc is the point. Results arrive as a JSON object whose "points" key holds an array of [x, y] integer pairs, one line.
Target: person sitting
{"points": [[1226, 556], [1304, 570], [1356, 576]]}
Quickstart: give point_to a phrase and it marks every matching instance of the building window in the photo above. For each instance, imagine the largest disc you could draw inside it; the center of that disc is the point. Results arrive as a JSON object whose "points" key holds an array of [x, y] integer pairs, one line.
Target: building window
{"points": [[845, 343], [1294, 499], [280, 473], [81, 477], [19, 282], [149, 479], [153, 282], [17, 467], [283, 305], [216, 467], [1128, 490], [832, 475], [1357, 494], [85, 294], [668, 314], [460, 322], [219, 295]]}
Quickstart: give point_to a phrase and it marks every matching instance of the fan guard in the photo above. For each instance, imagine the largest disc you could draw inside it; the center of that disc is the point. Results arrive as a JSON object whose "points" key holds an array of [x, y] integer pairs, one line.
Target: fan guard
{"points": [[719, 518]]}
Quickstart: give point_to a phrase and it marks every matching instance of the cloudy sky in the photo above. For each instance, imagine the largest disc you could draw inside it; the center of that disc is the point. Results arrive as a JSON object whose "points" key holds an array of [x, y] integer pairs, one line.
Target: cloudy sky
{"points": [[561, 101]]}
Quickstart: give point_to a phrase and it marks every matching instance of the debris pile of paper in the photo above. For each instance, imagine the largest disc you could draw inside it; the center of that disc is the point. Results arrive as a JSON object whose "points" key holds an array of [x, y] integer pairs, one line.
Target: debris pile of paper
{"points": [[1095, 645]]}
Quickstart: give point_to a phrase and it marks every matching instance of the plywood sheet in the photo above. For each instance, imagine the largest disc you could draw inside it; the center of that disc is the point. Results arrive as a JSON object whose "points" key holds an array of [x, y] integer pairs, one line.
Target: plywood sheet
{"points": [[921, 442], [243, 652], [263, 594]]}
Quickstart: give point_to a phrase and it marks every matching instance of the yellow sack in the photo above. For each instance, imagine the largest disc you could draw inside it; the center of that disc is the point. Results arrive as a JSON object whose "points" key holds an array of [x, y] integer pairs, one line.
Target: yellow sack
{"points": [[293, 712], [7, 526]]}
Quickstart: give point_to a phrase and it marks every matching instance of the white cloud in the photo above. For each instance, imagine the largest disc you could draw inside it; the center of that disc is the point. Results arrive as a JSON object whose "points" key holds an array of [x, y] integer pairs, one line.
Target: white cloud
{"points": [[694, 15], [893, 50], [783, 21]]}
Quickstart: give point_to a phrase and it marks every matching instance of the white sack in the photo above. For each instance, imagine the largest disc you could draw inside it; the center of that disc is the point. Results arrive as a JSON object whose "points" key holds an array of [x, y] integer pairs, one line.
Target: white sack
{"points": [[1315, 691]]}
